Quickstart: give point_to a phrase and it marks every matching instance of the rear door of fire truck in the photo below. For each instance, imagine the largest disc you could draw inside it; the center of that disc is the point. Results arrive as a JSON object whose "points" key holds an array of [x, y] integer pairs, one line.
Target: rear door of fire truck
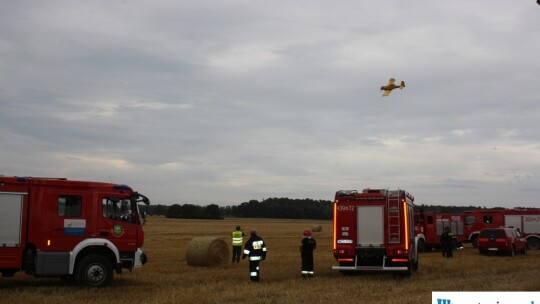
{"points": [[13, 203], [370, 226]]}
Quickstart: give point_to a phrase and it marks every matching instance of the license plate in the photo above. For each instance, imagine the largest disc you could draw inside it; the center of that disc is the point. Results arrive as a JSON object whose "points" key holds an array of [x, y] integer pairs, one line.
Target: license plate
{"points": [[493, 249]]}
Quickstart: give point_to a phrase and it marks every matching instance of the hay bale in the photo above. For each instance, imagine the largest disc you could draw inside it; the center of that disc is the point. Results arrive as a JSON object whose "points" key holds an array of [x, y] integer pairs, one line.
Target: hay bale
{"points": [[207, 251], [316, 228]]}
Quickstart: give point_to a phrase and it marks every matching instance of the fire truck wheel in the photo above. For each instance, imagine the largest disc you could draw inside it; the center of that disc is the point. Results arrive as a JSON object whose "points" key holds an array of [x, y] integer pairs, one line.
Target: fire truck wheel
{"points": [[421, 246], [409, 271], [93, 271], [533, 243], [415, 264]]}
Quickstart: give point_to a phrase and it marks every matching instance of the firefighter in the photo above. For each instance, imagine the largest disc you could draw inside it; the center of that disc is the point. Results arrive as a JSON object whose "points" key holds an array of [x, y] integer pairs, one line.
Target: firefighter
{"points": [[237, 242], [307, 246], [255, 249], [447, 242]]}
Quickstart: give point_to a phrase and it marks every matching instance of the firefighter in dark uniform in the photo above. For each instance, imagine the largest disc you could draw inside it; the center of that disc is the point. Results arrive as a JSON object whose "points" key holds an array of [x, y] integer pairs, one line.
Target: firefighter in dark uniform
{"points": [[255, 249], [447, 242], [306, 250]]}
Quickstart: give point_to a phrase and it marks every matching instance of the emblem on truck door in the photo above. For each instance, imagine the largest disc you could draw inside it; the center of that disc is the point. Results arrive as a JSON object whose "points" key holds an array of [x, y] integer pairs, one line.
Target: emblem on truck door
{"points": [[117, 230]]}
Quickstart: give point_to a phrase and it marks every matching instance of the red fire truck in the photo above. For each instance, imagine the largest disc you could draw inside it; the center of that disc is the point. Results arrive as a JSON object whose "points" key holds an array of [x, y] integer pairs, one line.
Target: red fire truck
{"points": [[526, 220], [76, 230], [374, 230], [430, 226]]}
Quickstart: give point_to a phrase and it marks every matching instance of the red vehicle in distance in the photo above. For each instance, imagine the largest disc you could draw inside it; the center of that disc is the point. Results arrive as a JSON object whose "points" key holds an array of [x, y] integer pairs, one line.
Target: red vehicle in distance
{"points": [[527, 221], [430, 225]]}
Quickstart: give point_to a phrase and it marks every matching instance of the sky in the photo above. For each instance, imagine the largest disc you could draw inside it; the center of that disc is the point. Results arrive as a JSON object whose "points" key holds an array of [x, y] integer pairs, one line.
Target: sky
{"points": [[222, 102]]}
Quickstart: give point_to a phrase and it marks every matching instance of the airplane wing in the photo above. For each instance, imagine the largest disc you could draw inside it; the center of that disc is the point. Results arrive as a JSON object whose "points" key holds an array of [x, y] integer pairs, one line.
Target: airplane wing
{"points": [[386, 92], [391, 81]]}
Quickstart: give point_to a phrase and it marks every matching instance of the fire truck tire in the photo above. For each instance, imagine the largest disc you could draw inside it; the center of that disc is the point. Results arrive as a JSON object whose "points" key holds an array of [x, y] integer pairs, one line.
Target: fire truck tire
{"points": [[93, 270], [421, 246], [409, 271], [415, 264], [533, 243]]}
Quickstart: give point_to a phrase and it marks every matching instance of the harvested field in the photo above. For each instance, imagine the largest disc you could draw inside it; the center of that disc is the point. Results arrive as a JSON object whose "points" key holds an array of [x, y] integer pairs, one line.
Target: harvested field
{"points": [[167, 278]]}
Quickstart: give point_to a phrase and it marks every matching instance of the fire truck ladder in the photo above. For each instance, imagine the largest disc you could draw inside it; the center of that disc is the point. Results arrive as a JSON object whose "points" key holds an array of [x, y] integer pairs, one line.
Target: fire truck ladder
{"points": [[392, 207]]}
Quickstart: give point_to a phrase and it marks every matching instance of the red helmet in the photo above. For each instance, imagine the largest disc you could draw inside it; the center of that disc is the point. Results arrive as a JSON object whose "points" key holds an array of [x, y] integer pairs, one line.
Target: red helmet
{"points": [[307, 232]]}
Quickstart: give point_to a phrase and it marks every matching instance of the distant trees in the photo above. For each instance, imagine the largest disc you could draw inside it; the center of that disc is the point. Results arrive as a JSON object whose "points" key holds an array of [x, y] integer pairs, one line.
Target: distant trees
{"points": [[190, 211], [283, 208], [273, 208], [451, 209], [211, 211], [268, 208]]}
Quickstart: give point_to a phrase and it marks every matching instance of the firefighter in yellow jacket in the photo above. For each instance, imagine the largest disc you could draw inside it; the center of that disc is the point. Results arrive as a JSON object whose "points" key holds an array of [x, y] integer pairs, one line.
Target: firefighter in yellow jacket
{"points": [[237, 242]]}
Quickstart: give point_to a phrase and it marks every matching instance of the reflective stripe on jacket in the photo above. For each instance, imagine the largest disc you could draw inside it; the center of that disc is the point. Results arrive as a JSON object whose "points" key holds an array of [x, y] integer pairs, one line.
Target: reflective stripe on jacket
{"points": [[237, 238]]}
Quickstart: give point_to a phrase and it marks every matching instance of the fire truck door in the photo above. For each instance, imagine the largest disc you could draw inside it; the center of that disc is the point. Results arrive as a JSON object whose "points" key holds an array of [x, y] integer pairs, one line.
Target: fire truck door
{"points": [[370, 225], [68, 228], [513, 221], [11, 229], [118, 223]]}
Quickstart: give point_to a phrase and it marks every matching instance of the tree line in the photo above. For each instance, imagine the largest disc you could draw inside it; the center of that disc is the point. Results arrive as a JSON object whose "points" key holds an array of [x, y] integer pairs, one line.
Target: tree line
{"points": [[274, 208], [452, 209], [268, 208]]}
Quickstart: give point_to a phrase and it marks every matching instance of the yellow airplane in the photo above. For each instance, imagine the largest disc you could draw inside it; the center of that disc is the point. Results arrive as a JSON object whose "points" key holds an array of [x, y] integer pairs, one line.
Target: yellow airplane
{"points": [[390, 86]]}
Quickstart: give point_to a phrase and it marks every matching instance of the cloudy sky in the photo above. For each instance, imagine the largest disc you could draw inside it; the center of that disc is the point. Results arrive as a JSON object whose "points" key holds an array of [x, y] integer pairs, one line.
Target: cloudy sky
{"points": [[198, 101]]}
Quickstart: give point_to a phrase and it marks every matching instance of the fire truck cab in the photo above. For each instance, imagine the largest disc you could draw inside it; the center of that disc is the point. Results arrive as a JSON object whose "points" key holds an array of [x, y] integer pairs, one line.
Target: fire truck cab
{"points": [[76, 230], [374, 230]]}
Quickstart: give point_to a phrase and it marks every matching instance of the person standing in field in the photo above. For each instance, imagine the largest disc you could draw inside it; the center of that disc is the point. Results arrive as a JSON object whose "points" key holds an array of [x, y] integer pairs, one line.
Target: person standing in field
{"points": [[237, 242], [255, 249], [307, 246], [447, 242]]}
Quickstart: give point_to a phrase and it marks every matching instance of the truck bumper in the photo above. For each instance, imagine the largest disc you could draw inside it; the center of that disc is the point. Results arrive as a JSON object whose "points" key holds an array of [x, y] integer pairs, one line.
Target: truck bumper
{"points": [[370, 268], [376, 262]]}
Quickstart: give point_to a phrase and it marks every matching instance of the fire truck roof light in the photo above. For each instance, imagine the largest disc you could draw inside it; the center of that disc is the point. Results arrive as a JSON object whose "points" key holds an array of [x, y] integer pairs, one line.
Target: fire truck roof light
{"points": [[121, 187], [346, 193]]}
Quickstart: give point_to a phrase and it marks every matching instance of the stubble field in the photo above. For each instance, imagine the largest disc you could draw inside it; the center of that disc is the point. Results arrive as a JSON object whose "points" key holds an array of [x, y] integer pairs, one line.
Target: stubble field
{"points": [[167, 278]]}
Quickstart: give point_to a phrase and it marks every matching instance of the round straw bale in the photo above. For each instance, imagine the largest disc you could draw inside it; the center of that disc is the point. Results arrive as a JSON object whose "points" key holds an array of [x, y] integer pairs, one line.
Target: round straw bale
{"points": [[316, 228], [207, 251]]}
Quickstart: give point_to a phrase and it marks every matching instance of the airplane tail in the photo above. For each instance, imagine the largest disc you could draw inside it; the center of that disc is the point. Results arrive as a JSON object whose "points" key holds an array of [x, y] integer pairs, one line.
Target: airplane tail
{"points": [[402, 85]]}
